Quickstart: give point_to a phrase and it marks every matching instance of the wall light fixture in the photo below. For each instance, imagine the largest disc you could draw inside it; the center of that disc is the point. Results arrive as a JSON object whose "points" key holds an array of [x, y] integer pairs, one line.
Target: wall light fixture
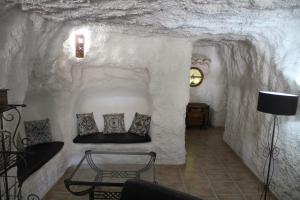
{"points": [[79, 46]]}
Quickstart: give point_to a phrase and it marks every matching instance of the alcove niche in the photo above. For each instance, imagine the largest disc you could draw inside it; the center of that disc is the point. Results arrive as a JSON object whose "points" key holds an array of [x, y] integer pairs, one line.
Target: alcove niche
{"points": [[230, 87], [108, 90], [103, 90], [113, 90], [213, 88]]}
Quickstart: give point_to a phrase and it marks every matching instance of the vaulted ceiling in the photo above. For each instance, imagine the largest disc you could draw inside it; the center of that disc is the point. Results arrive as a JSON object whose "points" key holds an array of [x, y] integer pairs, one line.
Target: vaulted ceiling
{"points": [[145, 12], [183, 17]]}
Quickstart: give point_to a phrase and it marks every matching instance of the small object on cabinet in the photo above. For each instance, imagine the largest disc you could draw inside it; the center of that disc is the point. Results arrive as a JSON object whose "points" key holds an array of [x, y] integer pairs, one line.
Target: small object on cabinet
{"points": [[197, 115]]}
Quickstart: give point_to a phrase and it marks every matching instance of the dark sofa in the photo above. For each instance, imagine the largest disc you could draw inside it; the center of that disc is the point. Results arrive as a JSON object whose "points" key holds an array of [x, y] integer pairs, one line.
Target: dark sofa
{"points": [[120, 138], [34, 157], [143, 190]]}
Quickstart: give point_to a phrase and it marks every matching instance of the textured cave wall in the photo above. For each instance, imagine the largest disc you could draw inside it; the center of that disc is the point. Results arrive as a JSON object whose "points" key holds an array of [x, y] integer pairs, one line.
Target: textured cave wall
{"points": [[125, 71], [249, 71], [24, 52], [14, 54], [263, 57], [212, 90]]}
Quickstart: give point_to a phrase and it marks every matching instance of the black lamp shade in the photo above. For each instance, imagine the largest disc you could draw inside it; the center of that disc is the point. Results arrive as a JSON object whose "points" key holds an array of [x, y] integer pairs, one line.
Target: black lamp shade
{"points": [[277, 103]]}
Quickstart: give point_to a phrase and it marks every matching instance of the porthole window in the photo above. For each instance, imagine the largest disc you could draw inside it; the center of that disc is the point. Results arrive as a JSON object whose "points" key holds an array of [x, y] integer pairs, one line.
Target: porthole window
{"points": [[196, 76]]}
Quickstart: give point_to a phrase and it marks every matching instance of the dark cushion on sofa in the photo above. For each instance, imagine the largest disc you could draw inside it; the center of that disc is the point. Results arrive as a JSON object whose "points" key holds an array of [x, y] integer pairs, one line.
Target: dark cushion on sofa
{"points": [[112, 138], [143, 190], [34, 157]]}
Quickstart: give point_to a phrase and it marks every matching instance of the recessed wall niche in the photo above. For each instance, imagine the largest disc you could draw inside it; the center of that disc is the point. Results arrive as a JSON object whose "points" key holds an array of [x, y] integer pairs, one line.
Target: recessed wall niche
{"points": [[109, 90]]}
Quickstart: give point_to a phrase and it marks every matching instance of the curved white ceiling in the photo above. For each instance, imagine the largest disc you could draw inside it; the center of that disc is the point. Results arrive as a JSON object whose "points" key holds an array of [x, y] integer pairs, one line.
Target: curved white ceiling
{"points": [[143, 12]]}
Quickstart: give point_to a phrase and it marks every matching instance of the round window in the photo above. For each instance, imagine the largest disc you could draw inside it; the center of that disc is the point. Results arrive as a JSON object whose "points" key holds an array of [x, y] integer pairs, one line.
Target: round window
{"points": [[196, 76]]}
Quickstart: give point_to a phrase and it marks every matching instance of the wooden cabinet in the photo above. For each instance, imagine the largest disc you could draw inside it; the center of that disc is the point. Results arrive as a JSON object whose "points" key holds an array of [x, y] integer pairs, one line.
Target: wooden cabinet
{"points": [[197, 115]]}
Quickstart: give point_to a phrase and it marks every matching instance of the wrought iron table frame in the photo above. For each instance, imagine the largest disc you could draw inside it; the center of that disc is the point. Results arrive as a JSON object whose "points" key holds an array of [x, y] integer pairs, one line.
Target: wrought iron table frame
{"points": [[100, 174]]}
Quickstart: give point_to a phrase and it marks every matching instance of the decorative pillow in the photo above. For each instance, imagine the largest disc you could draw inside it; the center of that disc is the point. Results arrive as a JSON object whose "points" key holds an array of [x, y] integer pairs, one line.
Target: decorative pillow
{"points": [[114, 123], [38, 131], [86, 124], [140, 124]]}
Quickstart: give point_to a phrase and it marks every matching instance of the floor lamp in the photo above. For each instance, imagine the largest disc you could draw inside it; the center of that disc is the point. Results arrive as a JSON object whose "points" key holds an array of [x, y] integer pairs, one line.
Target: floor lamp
{"points": [[276, 104]]}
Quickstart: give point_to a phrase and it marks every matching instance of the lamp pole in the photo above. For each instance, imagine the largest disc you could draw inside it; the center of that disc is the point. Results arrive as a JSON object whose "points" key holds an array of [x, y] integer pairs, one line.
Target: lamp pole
{"points": [[266, 191], [275, 103]]}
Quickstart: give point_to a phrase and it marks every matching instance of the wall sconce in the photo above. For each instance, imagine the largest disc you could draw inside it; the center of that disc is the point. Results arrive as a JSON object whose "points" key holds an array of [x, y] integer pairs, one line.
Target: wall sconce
{"points": [[79, 46]]}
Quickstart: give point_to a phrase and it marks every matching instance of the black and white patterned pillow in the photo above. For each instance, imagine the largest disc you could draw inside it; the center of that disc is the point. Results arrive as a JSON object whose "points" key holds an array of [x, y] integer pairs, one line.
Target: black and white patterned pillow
{"points": [[140, 124], [38, 132], [114, 123], [86, 124]]}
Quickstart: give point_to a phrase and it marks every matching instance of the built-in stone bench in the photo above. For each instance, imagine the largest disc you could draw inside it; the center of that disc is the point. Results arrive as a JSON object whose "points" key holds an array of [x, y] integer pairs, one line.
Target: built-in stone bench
{"points": [[121, 138], [34, 157], [39, 167], [45, 163]]}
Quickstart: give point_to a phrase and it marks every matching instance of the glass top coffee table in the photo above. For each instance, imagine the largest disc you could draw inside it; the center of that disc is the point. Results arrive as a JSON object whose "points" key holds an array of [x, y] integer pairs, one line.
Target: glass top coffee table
{"points": [[101, 175]]}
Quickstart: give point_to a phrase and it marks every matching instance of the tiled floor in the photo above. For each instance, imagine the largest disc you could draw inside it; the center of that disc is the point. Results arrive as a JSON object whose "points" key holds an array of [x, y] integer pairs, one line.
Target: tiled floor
{"points": [[212, 171]]}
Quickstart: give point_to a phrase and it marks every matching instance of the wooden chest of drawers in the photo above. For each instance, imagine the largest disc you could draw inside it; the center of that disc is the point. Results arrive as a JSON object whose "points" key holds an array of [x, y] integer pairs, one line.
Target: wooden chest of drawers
{"points": [[197, 115]]}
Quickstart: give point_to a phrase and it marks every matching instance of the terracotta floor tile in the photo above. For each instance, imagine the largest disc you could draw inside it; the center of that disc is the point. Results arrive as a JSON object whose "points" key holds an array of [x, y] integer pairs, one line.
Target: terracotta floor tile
{"points": [[212, 166], [212, 171], [168, 171], [257, 197], [210, 198], [242, 174], [148, 176], [230, 163], [217, 175], [195, 178], [200, 190], [53, 195], [192, 166], [230, 197], [250, 187], [73, 197], [225, 188], [173, 184], [168, 175]]}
